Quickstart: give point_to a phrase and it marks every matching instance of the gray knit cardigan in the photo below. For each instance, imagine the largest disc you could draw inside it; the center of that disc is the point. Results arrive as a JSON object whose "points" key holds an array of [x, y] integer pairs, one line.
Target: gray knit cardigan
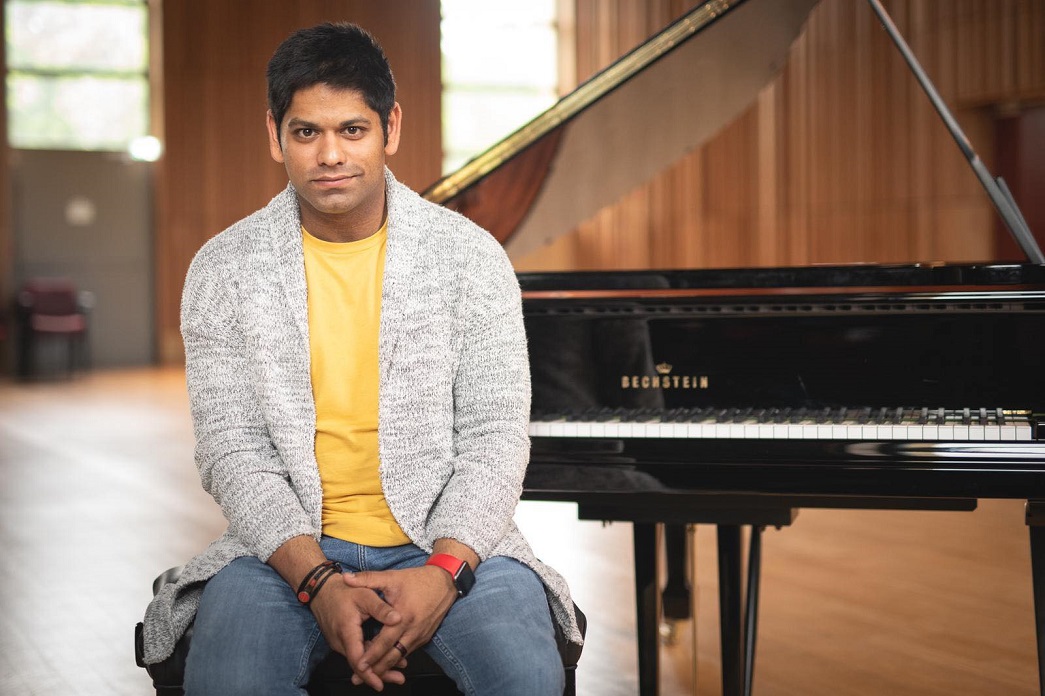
{"points": [[453, 406]]}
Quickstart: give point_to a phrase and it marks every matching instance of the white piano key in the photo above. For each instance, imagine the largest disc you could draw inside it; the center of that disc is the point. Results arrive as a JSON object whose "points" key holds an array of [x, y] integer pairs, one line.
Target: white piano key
{"points": [[1019, 429], [664, 430]]}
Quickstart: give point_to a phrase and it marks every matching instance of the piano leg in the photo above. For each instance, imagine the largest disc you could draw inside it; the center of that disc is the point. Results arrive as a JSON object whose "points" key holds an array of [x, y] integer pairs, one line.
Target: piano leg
{"points": [[754, 572], [644, 540], [729, 603], [738, 626], [675, 599], [1036, 525]]}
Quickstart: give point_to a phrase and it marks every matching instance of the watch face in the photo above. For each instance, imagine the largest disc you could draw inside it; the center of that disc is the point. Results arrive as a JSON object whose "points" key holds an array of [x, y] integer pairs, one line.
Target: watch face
{"points": [[464, 579]]}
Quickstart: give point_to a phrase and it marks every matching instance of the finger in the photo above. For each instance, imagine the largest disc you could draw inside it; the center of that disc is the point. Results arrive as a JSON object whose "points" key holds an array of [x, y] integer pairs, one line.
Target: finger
{"points": [[391, 676], [401, 648], [373, 579], [377, 608], [368, 668], [387, 652], [353, 645], [369, 677]]}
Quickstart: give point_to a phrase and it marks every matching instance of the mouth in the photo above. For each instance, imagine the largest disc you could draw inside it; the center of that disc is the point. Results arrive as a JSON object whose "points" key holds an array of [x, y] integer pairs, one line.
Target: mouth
{"points": [[334, 181]]}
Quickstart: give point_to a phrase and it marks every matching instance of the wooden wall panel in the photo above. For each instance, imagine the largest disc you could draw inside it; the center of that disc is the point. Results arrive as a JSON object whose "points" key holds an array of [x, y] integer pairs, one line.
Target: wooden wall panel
{"points": [[841, 159], [216, 168], [6, 236]]}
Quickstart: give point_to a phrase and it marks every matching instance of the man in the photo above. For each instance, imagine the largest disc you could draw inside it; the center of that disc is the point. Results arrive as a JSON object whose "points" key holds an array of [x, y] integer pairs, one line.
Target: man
{"points": [[357, 371]]}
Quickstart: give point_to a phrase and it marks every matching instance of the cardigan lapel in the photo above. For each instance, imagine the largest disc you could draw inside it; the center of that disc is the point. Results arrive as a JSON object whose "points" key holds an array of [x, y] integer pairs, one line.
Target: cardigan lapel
{"points": [[400, 257], [285, 228]]}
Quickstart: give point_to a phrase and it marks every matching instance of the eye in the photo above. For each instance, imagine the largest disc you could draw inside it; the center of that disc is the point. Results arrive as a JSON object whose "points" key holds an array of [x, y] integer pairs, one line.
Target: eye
{"points": [[305, 132], [354, 131]]}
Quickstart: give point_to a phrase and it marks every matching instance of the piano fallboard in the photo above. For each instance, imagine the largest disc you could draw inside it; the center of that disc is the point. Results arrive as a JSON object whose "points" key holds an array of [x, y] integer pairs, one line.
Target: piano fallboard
{"points": [[933, 353]]}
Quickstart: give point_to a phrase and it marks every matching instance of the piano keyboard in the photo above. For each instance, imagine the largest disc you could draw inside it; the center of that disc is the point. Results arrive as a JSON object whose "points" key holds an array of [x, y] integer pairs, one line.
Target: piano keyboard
{"points": [[912, 424]]}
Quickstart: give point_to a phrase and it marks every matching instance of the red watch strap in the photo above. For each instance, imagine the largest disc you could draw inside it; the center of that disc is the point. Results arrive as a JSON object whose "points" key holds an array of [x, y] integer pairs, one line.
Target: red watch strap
{"points": [[451, 564]]}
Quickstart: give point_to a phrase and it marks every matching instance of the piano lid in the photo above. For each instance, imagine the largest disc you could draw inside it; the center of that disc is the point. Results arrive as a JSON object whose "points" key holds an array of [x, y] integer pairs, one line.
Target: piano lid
{"points": [[627, 123]]}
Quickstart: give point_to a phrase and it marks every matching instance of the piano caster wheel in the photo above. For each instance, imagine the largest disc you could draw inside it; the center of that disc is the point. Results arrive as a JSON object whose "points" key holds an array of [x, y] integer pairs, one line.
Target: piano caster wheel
{"points": [[668, 631]]}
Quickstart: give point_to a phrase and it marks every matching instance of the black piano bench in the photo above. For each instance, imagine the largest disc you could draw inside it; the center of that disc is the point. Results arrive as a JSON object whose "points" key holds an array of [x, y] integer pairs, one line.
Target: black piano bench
{"points": [[333, 677]]}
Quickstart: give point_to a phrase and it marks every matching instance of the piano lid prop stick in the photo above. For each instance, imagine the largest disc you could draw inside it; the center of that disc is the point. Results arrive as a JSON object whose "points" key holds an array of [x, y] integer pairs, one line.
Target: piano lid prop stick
{"points": [[1005, 204]]}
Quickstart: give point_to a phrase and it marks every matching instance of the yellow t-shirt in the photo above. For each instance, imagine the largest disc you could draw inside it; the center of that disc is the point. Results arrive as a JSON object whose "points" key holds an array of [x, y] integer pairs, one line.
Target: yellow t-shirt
{"points": [[344, 315]]}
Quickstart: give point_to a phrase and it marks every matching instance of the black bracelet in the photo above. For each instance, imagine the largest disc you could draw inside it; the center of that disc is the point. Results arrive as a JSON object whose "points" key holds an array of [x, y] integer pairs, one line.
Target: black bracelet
{"points": [[314, 580], [335, 570]]}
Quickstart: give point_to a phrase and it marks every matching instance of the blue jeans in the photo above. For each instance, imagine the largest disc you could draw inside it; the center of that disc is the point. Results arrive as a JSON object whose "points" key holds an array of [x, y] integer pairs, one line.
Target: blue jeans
{"points": [[252, 636]]}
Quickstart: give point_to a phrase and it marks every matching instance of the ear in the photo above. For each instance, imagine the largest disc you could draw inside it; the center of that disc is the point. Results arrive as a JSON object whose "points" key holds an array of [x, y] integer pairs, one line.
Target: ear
{"points": [[395, 123], [275, 148]]}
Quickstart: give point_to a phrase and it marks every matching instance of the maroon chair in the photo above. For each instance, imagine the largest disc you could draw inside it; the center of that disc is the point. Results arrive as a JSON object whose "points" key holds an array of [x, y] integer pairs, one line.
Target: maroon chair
{"points": [[50, 310]]}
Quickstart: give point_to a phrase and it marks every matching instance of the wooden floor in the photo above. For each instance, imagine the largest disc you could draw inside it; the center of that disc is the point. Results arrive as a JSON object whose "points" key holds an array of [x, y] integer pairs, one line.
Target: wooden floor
{"points": [[99, 494]]}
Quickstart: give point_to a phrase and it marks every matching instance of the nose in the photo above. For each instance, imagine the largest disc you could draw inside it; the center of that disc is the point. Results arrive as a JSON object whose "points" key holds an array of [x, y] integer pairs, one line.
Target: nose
{"points": [[331, 151]]}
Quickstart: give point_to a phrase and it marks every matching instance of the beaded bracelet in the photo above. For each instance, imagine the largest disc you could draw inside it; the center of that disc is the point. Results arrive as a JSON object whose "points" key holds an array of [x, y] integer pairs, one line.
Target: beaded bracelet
{"points": [[315, 579]]}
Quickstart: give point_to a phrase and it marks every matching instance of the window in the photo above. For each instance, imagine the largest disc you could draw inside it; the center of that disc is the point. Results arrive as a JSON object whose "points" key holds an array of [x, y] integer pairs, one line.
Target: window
{"points": [[500, 70], [77, 73]]}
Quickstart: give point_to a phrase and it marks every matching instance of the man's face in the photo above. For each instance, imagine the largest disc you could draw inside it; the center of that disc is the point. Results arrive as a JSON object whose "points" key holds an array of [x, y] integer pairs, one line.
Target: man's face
{"points": [[334, 150]]}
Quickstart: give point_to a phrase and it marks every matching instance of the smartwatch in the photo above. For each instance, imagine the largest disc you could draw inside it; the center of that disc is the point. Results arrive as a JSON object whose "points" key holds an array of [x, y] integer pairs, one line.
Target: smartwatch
{"points": [[459, 570]]}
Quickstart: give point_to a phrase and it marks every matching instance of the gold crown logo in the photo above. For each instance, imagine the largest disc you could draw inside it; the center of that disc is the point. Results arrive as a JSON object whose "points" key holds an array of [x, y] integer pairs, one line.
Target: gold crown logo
{"points": [[664, 368]]}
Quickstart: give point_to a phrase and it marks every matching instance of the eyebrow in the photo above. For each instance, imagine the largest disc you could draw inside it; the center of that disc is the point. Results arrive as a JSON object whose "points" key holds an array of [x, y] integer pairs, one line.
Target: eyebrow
{"points": [[302, 123]]}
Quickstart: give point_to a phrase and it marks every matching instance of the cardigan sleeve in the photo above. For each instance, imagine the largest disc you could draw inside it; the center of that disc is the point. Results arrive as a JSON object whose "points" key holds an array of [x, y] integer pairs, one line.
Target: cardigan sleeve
{"points": [[491, 393], [238, 463]]}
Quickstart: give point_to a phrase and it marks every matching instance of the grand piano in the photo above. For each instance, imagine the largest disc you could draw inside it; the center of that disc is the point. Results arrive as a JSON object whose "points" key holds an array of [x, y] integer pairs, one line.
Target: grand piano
{"points": [[736, 397]]}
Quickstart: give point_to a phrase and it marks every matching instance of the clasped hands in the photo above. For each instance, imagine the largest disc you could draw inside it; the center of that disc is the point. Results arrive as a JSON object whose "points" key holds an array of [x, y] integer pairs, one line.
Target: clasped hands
{"points": [[411, 605]]}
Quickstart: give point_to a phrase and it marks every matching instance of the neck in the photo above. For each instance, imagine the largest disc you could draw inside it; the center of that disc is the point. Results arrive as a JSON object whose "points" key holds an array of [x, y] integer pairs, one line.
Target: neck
{"points": [[350, 226]]}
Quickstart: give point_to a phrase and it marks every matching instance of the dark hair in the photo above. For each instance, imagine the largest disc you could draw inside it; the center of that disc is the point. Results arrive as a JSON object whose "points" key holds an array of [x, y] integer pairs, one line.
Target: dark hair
{"points": [[341, 55]]}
